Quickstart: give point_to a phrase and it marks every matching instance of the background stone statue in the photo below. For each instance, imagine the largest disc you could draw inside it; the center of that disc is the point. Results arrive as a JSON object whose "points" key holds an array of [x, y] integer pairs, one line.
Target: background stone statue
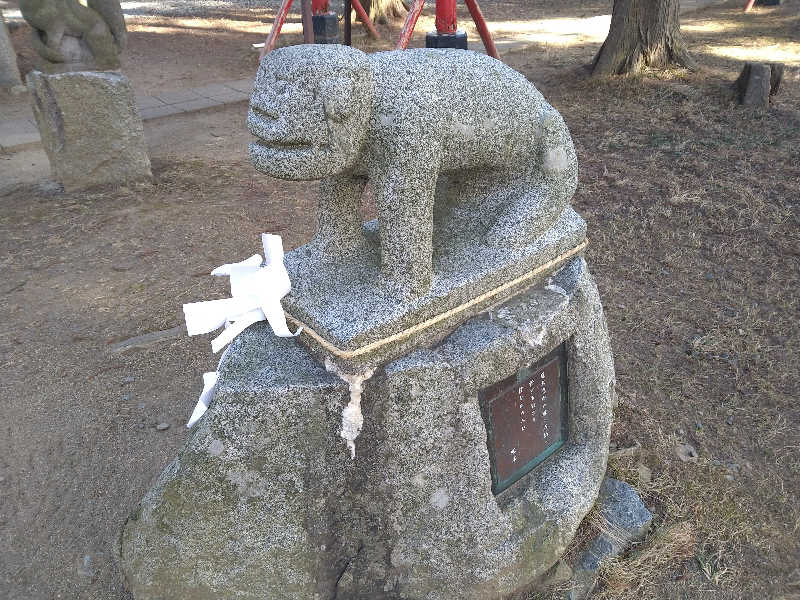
{"points": [[74, 36], [87, 117], [449, 140]]}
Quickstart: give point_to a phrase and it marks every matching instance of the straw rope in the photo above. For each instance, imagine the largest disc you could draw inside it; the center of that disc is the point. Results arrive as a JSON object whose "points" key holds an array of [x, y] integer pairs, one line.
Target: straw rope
{"points": [[438, 318]]}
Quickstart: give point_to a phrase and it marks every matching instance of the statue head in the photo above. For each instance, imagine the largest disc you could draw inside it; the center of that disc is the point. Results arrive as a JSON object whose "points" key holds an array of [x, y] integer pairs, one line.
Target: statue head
{"points": [[310, 111]]}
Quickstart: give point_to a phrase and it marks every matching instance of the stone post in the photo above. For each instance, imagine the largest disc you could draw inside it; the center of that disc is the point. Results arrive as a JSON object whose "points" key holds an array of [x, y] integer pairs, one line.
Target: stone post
{"points": [[85, 109], [90, 128]]}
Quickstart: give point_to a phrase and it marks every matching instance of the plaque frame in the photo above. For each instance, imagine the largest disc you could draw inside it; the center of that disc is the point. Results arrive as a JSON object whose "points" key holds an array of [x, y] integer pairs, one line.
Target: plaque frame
{"points": [[494, 392]]}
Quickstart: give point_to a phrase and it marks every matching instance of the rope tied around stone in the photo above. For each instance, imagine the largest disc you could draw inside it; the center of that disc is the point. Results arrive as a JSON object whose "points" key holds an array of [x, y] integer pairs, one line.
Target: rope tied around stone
{"points": [[347, 354]]}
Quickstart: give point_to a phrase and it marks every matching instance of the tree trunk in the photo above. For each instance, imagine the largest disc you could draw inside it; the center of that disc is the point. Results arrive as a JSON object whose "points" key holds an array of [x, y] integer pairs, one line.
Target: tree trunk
{"points": [[382, 10], [643, 33]]}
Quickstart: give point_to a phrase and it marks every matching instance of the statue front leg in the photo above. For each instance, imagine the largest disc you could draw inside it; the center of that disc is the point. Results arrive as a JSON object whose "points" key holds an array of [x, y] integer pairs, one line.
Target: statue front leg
{"points": [[339, 218], [404, 197]]}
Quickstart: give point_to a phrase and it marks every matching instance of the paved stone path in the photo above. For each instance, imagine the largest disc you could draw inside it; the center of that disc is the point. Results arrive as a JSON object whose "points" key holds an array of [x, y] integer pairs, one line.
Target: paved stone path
{"points": [[21, 133]]}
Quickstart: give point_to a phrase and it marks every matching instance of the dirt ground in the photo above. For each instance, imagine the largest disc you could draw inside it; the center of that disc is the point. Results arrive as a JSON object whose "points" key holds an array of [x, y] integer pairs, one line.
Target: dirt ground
{"points": [[692, 208], [168, 53]]}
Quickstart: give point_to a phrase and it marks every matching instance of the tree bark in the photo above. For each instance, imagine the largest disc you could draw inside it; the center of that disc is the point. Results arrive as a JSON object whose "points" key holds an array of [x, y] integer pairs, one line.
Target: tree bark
{"points": [[382, 10], [643, 33]]}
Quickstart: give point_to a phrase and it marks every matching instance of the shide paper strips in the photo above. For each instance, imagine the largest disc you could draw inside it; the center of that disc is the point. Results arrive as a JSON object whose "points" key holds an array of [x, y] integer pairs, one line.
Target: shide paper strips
{"points": [[257, 287]]}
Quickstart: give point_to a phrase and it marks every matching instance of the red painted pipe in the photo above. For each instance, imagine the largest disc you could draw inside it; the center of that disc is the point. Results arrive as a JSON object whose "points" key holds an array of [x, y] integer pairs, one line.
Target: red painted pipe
{"points": [[411, 22], [320, 7], [483, 30], [269, 43], [365, 20], [446, 17]]}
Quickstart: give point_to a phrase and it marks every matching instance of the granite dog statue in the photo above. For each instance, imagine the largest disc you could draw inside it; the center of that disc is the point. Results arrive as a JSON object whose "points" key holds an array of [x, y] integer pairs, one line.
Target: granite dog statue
{"points": [[337, 114], [66, 31]]}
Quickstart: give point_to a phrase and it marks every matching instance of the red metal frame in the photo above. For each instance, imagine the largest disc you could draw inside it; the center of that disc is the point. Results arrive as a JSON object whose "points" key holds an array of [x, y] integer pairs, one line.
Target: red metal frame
{"points": [[483, 30], [320, 7], [411, 22], [317, 7], [365, 20], [446, 23], [269, 43], [446, 16]]}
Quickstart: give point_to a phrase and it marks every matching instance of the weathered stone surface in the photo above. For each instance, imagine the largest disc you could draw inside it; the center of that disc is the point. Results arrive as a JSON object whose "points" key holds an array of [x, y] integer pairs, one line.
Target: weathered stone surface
{"points": [[623, 519], [754, 84], [90, 128], [623, 511], [471, 170], [346, 304], [9, 72], [76, 36], [264, 500]]}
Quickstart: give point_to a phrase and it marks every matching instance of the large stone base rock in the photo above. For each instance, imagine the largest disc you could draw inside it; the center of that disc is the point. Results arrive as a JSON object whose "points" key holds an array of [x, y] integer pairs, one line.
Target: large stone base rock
{"points": [[90, 128], [265, 502]]}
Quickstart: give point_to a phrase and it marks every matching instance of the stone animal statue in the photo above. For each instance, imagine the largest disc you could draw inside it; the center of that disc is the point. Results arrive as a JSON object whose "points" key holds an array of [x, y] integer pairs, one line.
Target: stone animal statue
{"points": [[87, 35], [428, 129]]}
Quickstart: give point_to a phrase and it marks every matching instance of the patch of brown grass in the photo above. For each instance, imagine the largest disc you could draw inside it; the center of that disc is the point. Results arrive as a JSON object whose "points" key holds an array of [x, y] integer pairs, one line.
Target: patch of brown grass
{"points": [[637, 576]]}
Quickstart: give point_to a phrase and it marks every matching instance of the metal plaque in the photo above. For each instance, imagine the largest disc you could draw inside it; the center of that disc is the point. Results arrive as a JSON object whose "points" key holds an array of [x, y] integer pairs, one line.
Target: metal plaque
{"points": [[526, 418]]}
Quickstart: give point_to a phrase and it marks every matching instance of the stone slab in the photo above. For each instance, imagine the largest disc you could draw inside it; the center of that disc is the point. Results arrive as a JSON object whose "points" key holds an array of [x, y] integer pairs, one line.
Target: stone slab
{"points": [[350, 305], [264, 500], [90, 128], [155, 112], [211, 90], [17, 126], [177, 96], [229, 95], [198, 104], [754, 84], [241, 85], [148, 102], [19, 141], [622, 519]]}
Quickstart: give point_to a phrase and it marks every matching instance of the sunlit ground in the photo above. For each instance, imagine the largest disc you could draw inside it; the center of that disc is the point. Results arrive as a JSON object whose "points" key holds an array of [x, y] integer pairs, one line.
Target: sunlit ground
{"points": [[785, 52], [564, 31]]}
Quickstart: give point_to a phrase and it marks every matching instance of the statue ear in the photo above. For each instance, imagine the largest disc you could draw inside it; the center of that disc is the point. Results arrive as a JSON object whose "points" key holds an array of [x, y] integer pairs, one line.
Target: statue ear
{"points": [[337, 97]]}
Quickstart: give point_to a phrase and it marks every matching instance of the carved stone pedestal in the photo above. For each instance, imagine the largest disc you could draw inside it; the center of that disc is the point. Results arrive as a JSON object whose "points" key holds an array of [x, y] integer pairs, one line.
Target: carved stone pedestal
{"points": [[478, 459]]}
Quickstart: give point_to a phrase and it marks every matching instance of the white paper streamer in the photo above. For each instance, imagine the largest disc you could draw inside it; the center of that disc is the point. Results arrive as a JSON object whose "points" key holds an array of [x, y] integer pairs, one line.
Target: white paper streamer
{"points": [[256, 288], [209, 387]]}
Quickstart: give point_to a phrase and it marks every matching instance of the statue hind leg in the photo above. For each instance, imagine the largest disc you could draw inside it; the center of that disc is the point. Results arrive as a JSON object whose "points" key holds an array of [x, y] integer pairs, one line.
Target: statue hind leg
{"points": [[545, 192]]}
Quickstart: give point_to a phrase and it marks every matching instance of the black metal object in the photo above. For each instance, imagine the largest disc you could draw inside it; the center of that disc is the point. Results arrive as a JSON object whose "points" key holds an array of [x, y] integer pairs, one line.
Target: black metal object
{"points": [[326, 28], [348, 24], [446, 40], [305, 14], [527, 418]]}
